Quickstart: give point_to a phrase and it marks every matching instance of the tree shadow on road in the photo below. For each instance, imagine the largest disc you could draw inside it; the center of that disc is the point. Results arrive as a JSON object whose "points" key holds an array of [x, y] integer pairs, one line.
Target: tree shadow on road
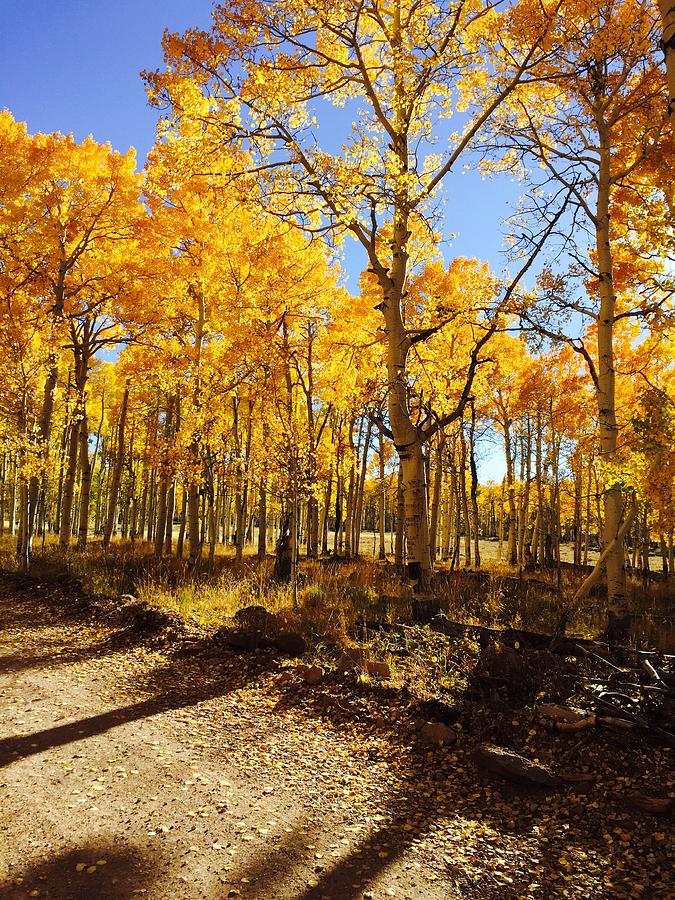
{"points": [[124, 873], [176, 684]]}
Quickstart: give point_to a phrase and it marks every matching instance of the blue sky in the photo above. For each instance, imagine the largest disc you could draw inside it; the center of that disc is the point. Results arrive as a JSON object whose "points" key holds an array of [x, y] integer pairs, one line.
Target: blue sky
{"points": [[73, 66]]}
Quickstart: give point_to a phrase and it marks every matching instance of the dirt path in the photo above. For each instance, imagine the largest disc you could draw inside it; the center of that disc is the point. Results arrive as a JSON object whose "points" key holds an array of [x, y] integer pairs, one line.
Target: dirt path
{"points": [[186, 785], [129, 772]]}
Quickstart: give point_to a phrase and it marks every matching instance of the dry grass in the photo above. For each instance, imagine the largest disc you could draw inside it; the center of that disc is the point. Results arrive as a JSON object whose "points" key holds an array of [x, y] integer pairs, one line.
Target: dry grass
{"points": [[333, 594]]}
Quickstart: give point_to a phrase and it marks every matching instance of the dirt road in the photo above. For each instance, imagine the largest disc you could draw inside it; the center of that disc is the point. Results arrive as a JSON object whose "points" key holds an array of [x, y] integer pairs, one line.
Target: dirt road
{"points": [[128, 770], [129, 773]]}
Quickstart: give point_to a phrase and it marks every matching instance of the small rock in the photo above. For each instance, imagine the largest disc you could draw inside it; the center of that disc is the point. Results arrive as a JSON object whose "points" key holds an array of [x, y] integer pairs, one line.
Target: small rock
{"points": [[291, 643], [255, 617], [312, 674], [557, 713], [380, 669], [248, 641], [515, 767], [436, 735], [352, 659]]}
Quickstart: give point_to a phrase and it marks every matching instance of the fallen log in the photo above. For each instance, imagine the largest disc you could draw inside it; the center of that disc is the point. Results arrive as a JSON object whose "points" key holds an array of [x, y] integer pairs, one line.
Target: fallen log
{"points": [[644, 803], [514, 767], [557, 713], [615, 723], [650, 670], [611, 712], [579, 725], [512, 637]]}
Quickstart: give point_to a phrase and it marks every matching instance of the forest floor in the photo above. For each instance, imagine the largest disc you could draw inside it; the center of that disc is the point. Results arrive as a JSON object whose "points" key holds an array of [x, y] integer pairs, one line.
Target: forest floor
{"points": [[171, 770]]}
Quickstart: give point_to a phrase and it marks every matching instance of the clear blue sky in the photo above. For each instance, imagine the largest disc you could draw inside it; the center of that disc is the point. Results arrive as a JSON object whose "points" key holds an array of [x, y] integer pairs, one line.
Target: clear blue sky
{"points": [[73, 66]]}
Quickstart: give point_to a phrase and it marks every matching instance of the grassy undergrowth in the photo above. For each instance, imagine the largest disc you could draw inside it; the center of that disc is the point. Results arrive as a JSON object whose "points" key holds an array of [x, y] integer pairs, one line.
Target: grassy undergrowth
{"points": [[334, 594]]}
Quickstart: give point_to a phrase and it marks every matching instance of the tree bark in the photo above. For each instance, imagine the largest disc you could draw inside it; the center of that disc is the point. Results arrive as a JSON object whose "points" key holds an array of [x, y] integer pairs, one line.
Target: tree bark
{"points": [[618, 612], [262, 521], [358, 511], [463, 495], [162, 490], [113, 494], [85, 479], [43, 436], [399, 545], [382, 499], [474, 487], [436, 497]]}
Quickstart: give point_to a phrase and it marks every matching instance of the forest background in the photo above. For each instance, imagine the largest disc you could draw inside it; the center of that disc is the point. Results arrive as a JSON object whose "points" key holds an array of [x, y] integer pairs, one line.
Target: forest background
{"points": [[238, 415]]}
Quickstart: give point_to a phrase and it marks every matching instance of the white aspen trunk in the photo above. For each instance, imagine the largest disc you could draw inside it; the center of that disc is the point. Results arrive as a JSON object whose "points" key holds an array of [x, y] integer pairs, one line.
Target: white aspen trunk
{"points": [[463, 496], [382, 500], [65, 527], [162, 491], [262, 521], [578, 489], [452, 503], [474, 488], [12, 498], [44, 434], [436, 498], [180, 543], [358, 512], [194, 534], [618, 612], [3, 487], [399, 545], [416, 520], [501, 521], [589, 492], [113, 494], [326, 514], [510, 488], [349, 509], [408, 439], [85, 480], [525, 506], [170, 509]]}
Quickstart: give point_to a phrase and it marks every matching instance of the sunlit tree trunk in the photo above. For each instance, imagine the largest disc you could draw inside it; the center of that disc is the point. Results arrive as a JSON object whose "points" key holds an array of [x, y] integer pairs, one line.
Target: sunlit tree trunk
{"points": [[578, 489], [163, 486], [113, 493], [452, 503], [85, 479], [195, 476], [170, 509], [589, 494], [180, 543], [537, 545], [474, 487], [464, 498], [510, 489], [358, 510], [436, 497], [382, 498], [262, 521], [399, 545], [65, 527], [524, 519], [618, 613], [44, 435]]}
